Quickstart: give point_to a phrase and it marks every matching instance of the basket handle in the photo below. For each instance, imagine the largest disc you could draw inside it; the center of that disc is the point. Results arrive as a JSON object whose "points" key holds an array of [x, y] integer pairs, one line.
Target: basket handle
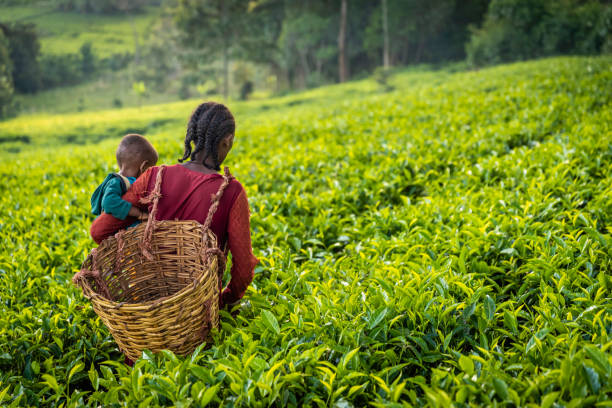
{"points": [[153, 197], [81, 276], [206, 252], [215, 200]]}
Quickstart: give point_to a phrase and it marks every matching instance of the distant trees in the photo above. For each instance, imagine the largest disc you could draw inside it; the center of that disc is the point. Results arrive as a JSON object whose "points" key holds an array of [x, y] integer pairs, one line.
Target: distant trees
{"points": [[215, 27], [24, 49], [6, 77], [342, 67], [521, 29], [197, 44], [24, 70], [103, 6], [306, 43]]}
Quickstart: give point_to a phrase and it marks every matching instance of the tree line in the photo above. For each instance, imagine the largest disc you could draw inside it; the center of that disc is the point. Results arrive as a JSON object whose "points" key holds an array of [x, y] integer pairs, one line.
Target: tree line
{"points": [[307, 43]]}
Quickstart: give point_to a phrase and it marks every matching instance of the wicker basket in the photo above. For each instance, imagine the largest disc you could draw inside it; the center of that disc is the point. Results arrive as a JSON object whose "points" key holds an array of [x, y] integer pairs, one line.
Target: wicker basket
{"points": [[156, 286]]}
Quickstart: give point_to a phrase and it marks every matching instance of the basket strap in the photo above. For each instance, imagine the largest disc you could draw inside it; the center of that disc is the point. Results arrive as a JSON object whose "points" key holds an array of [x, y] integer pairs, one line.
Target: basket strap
{"points": [[119, 257], [120, 247], [215, 200], [205, 252], [80, 278], [153, 197]]}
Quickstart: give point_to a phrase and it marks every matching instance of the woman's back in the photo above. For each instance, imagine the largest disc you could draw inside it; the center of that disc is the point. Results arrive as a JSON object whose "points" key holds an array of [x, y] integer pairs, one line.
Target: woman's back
{"points": [[186, 195]]}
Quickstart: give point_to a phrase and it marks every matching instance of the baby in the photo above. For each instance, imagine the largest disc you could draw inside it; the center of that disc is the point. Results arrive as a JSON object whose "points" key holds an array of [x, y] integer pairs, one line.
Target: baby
{"points": [[134, 155]]}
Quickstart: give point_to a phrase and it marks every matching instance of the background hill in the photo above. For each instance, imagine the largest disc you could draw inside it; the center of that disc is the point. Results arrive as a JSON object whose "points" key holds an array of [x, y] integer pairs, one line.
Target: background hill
{"points": [[62, 32], [59, 56]]}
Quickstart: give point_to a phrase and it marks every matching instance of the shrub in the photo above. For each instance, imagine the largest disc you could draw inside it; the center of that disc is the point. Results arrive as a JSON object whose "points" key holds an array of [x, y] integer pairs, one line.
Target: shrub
{"points": [[59, 70], [24, 49], [522, 29], [88, 59], [6, 79], [116, 62], [245, 90]]}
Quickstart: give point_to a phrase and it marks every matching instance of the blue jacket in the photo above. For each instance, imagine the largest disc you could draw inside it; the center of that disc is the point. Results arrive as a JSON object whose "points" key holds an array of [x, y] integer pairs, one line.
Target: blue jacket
{"points": [[107, 196]]}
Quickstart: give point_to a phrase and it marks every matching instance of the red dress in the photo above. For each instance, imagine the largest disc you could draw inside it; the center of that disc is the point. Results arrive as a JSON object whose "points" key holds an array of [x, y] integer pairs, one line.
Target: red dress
{"points": [[186, 195]]}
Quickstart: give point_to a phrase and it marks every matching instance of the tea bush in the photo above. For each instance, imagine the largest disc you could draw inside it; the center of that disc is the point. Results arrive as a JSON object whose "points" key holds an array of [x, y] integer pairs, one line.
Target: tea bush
{"points": [[444, 243]]}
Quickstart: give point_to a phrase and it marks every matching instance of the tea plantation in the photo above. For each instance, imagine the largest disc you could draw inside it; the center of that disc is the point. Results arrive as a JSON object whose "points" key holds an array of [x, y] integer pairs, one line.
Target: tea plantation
{"points": [[446, 241]]}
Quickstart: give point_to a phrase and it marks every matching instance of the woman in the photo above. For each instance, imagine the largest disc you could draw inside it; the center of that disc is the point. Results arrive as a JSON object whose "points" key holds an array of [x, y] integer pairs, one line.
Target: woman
{"points": [[186, 194]]}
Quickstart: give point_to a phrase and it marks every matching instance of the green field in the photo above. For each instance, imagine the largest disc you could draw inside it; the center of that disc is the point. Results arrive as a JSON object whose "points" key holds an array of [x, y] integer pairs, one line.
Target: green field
{"points": [[94, 95], [65, 32], [445, 242]]}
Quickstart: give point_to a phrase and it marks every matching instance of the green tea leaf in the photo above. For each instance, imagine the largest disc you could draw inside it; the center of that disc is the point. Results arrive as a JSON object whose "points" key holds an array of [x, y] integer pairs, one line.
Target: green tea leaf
{"points": [[466, 364], [549, 399], [51, 382], [501, 388], [489, 307], [600, 359], [592, 378], [270, 321], [93, 377], [378, 317], [510, 322], [78, 367]]}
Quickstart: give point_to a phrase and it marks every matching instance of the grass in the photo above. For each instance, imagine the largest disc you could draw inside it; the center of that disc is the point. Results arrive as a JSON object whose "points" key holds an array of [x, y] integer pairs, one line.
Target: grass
{"points": [[96, 123], [445, 243], [96, 95], [65, 32]]}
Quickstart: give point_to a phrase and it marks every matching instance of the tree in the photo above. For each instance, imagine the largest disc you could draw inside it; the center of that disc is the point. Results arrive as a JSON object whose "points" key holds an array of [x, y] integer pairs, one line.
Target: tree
{"points": [[521, 29], [88, 59], [261, 42], [213, 26], [6, 79], [160, 56], [24, 50], [421, 31], [342, 63], [103, 6], [385, 24]]}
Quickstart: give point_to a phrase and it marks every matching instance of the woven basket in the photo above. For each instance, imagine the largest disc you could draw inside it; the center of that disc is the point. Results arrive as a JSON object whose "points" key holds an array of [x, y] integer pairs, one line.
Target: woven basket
{"points": [[156, 286]]}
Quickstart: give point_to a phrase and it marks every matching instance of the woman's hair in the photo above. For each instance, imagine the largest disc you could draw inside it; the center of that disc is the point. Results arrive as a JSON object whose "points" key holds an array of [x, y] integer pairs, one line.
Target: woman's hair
{"points": [[209, 123]]}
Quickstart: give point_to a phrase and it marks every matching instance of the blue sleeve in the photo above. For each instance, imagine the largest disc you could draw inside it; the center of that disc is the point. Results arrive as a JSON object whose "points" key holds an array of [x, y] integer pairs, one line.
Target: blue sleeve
{"points": [[112, 203]]}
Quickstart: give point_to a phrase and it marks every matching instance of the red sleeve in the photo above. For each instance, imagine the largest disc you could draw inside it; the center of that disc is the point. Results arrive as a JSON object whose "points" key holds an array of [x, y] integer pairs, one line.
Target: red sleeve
{"points": [[106, 225], [243, 260]]}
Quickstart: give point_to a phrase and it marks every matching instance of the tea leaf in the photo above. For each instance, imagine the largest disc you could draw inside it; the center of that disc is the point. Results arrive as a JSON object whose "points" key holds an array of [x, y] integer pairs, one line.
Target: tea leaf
{"points": [[270, 321], [466, 364]]}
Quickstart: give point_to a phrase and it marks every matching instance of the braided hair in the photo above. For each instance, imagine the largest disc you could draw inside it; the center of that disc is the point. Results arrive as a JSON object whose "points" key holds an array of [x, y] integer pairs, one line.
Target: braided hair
{"points": [[209, 123]]}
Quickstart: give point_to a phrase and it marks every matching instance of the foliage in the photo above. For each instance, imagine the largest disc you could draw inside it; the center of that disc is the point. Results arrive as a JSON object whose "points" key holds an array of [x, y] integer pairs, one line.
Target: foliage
{"points": [[68, 69], [88, 59], [298, 41], [159, 61], [443, 244], [60, 70], [24, 50], [6, 78], [103, 6], [65, 32], [523, 29]]}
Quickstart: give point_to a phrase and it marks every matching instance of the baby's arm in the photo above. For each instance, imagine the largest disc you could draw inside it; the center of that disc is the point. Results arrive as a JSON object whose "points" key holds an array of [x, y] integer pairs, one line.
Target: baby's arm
{"points": [[113, 204], [106, 225], [138, 213]]}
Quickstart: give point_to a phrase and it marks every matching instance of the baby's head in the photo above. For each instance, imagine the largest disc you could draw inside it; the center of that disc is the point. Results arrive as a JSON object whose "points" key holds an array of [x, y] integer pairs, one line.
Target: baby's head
{"points": [[134, 155]]}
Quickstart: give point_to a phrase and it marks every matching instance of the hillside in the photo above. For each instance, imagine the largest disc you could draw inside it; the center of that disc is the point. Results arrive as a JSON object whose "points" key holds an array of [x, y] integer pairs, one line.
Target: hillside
{"points": [[445, 242], [65, 32]]}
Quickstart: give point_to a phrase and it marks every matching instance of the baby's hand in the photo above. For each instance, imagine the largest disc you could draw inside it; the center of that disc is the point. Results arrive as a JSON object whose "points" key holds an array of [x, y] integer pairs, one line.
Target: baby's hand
{"points": [[143, 216]]}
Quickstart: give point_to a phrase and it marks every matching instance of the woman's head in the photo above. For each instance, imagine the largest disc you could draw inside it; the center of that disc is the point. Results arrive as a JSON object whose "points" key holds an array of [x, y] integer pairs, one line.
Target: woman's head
{"points": [[211, 130]]}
